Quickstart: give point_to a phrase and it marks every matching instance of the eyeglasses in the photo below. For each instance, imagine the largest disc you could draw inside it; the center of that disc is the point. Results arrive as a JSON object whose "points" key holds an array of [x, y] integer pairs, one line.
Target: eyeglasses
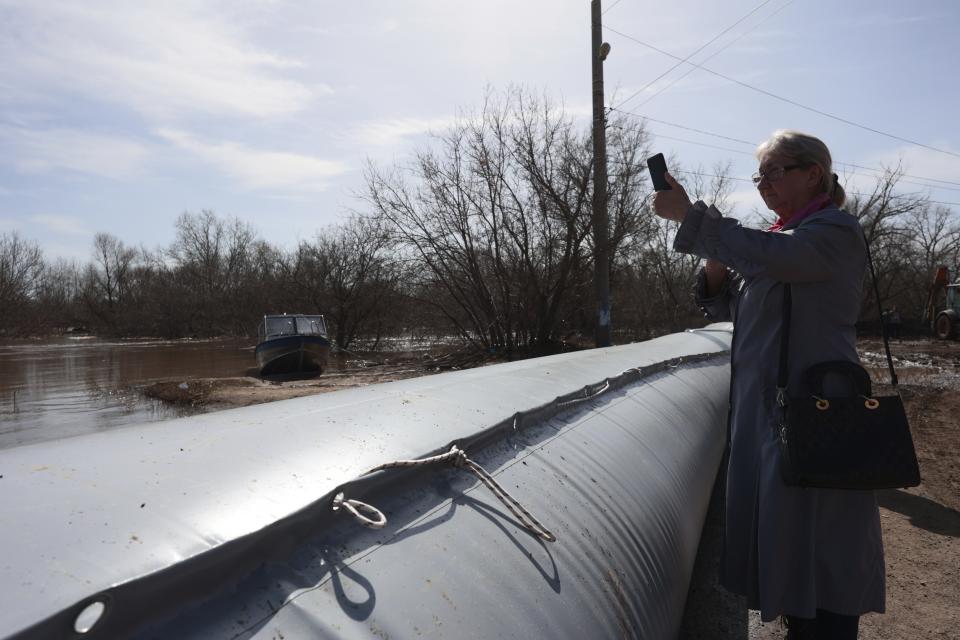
{"points": [[773, 174]]}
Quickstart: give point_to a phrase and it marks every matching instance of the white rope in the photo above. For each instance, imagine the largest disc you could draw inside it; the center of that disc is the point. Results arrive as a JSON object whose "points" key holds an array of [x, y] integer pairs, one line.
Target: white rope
{"points": [[459, 458], [378, 521], [603, 389], [525, 517]]}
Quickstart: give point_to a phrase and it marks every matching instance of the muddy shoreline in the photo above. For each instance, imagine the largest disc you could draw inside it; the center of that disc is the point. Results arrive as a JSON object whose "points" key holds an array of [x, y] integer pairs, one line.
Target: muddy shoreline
{"points": [[214, 394]]}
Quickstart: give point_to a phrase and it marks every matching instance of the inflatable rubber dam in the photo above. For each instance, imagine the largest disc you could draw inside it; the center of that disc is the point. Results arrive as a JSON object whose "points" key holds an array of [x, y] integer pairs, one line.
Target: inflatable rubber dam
{"points": [[557, 497]]}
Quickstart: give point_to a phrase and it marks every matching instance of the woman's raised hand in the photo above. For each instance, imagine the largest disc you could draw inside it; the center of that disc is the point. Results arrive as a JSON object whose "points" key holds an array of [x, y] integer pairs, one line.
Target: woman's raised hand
{"points": [[672, 204]]}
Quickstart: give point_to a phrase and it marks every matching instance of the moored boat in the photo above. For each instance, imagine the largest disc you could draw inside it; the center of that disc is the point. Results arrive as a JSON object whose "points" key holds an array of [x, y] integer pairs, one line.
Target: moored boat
{"points": [[292, 343]]}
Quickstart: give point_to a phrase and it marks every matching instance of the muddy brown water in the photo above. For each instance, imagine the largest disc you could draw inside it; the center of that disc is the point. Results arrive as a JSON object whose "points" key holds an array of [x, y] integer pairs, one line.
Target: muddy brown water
{"points": [[70, 386]]}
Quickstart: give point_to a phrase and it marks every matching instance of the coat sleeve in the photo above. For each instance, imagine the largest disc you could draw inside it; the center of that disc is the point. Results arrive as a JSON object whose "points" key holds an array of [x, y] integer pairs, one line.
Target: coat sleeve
{"points": [[811, 252]]}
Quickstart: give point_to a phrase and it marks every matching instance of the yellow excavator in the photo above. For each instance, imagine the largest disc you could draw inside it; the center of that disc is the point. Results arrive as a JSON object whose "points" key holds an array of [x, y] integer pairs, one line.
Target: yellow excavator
{"points": [[944, 320]]}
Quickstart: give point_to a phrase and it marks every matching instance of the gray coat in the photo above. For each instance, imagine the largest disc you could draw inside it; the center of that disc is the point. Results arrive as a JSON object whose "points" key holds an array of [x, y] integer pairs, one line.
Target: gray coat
{"points": [[789, 550]]}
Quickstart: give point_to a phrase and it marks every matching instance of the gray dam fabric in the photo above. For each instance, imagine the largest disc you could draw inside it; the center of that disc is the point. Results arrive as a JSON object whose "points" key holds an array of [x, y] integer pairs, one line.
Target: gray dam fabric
{"points": [[221, 525]]}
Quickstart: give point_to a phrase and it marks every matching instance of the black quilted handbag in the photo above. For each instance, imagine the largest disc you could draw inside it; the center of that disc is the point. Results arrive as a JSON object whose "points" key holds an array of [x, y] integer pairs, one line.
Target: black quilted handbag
{"points": [[851, 441]]}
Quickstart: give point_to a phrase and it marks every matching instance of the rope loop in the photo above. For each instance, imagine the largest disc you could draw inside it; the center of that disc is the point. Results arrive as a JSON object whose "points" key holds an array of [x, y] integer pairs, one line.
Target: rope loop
{"points": [[378, 521], [458, 458], [587, 394]]}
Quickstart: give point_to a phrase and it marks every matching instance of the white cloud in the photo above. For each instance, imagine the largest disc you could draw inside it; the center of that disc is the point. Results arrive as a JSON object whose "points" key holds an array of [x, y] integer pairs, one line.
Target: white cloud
{"points": [[161, 59], [91, 153], [258, 169], [918, 161], [73, 250], [881, 20], [388, 25], [743, 202], [64, 225], [392, 132]]}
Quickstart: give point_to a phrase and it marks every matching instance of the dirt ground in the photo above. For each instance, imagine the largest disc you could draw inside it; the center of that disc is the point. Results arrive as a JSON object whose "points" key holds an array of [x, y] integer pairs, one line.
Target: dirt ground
{"points": [[213, 394], [921, 526]]}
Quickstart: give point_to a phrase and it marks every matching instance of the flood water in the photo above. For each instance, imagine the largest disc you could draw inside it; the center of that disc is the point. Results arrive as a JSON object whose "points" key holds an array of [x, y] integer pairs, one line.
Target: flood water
{"points": [[69, 386]]}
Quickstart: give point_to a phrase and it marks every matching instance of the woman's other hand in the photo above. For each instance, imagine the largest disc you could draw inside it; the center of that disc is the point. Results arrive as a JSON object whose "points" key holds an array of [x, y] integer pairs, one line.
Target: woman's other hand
{"points": [[715, 271], [715, 268], [673, 204]]}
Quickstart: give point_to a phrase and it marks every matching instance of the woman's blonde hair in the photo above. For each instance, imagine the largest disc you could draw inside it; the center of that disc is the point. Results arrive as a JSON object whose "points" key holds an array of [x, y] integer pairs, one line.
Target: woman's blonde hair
{"points": [[805, 150]]}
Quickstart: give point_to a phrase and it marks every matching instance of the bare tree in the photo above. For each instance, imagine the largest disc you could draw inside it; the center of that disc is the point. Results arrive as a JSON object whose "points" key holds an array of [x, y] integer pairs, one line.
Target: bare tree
{"points": [[214, 258], [932, 239], [57, 297], [21, 266], [112, 262], [349, 274], [887, 217], [498, 214], [656, 281]]}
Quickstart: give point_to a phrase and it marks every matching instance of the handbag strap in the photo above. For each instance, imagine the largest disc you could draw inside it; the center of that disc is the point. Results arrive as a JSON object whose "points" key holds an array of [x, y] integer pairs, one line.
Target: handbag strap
{"points": [[784, 345], [785, 332], [883, 325]]}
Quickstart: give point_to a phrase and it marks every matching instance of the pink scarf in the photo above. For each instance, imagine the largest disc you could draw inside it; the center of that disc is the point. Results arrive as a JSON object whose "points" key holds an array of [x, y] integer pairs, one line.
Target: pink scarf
{"points": [[818, 203]]}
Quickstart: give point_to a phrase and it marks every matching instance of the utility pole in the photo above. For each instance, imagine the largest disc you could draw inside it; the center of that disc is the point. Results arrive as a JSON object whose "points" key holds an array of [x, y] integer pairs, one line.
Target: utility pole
{"points": [[601, 261]]}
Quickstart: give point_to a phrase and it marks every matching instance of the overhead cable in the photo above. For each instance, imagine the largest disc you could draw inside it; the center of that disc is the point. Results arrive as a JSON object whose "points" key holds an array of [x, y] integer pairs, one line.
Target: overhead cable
{"points": [[713, 55], [611, 7], [919, 184], [701, 144], [787, 100], [702, 47], [855, 193], [681, 126], [755, 144], [876, 172], [905, 175]]}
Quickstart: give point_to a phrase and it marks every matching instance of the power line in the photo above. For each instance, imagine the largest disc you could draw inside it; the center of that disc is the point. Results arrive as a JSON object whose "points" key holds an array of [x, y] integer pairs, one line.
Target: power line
{"points": [[787, 100], [905, 175], [701, 144], [714, 39], [754, 144], [855, 193], [611, 7], [681, 126], [877, 172], [715, 54], [919, 184], [712, 175]]}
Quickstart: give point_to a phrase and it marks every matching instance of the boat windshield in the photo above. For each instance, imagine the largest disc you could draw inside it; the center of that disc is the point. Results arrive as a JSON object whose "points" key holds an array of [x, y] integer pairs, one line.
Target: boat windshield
{"points": [[311, 326], [280, 326], [274, 326]]}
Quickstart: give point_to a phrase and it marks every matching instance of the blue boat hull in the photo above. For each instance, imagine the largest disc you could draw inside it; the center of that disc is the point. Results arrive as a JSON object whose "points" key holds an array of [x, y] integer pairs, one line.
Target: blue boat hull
{"points": [[293, 354]]}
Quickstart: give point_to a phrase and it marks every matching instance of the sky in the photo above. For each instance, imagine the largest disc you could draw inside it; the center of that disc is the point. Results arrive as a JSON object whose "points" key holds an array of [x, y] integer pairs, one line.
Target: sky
{"points": [[119, 116]]}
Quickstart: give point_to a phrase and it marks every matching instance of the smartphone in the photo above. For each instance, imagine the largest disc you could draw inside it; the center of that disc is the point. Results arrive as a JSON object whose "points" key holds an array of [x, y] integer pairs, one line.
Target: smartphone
{"points": [[658, 166]]}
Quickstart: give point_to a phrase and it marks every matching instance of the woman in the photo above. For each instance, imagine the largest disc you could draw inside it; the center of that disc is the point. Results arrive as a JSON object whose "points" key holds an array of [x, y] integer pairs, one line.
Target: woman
{"points": [[814, 556]]}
